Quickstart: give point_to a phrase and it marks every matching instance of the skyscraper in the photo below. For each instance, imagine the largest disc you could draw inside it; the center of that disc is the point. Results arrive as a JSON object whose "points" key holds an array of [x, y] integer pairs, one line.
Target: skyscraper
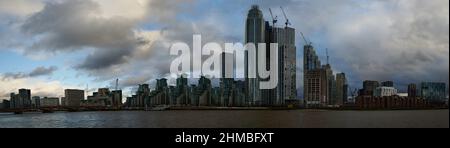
{"points": [[341, 89], [25, 97], [287, 65], [314, 78], [143, 95], [254, 33]]}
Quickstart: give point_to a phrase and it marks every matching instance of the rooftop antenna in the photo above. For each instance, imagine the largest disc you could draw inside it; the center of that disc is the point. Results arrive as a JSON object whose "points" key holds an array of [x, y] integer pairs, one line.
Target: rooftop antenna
{"points": [[274, 19], [285, 16]]}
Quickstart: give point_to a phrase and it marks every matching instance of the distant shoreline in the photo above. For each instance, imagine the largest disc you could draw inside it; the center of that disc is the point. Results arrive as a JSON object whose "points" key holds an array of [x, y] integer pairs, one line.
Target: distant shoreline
{"points": [[237, 109]]}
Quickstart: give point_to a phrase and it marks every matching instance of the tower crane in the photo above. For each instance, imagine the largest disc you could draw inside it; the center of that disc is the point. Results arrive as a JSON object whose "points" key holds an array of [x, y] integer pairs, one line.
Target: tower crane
{"points": [[285, 16], [306, 41], [328, 57], [274, 19]]}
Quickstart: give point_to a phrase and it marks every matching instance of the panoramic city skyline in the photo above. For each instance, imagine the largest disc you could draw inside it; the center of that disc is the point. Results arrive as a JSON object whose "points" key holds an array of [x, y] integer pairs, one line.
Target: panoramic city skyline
{"points": [[49, 46]]}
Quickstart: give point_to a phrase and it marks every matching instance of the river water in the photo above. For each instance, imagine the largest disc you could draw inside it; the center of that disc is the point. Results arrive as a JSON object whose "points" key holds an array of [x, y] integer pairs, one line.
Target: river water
{"points": [[231, 119]]}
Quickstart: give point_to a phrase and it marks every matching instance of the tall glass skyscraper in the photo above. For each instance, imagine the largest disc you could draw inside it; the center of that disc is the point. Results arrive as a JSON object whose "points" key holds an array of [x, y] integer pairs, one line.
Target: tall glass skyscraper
{"points": [[254, 33]]}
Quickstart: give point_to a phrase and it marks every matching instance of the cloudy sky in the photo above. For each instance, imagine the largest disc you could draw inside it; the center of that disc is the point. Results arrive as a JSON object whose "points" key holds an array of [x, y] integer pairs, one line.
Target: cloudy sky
{"points": [[51, 45]]}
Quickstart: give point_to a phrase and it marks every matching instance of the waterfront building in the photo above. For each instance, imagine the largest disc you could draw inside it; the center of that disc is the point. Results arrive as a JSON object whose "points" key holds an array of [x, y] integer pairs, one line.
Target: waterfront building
{"points": [[16, 102], [160, 96], [143, 95], [368, 88], [316, 88], [390, 102], [102, 98], [385, 91], [116, 97], [6, 104], [287, 65], [341, 89], [36, 102], [49, 102], [73, 97], [25, 96], [412, 90], [433, 91], [254, 33], [22, 99], [387, 84]]}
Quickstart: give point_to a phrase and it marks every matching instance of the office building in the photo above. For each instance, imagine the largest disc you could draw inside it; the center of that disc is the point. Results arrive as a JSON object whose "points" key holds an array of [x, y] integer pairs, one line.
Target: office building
{"points": [[143, 95], [36, 102], [103, 97], [369, 88], [6, 104], [49, 102], [434, 92], [387, 84], [73, 97], [181, 92], [160, 96], [385, 91], [341, 89], [25, 96], [316, 83], [412, 90], [21, 100]]}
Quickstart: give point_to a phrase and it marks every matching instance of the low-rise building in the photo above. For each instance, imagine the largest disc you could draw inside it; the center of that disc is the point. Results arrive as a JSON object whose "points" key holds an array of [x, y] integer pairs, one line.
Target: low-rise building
{"points": [[385, 91], [49, 102], [433, 91], [390, 102]]}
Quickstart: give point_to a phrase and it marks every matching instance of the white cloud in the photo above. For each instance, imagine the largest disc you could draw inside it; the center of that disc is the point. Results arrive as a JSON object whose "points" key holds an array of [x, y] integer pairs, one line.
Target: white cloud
{"points": [[39, 87]]}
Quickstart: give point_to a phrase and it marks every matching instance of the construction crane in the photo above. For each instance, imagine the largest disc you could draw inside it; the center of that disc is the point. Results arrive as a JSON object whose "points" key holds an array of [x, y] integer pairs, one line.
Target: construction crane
{"points": [[328, 57], [306, 41], [274, 19], [285, 16], [87, 90]]}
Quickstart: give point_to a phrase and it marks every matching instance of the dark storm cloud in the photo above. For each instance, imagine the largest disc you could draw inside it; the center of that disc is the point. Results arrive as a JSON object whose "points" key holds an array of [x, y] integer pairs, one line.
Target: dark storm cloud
{"points": [[39, 71], [115, 42], [410, 46], [42, 71], [103, 59], [73, 25], [135, 81]]}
